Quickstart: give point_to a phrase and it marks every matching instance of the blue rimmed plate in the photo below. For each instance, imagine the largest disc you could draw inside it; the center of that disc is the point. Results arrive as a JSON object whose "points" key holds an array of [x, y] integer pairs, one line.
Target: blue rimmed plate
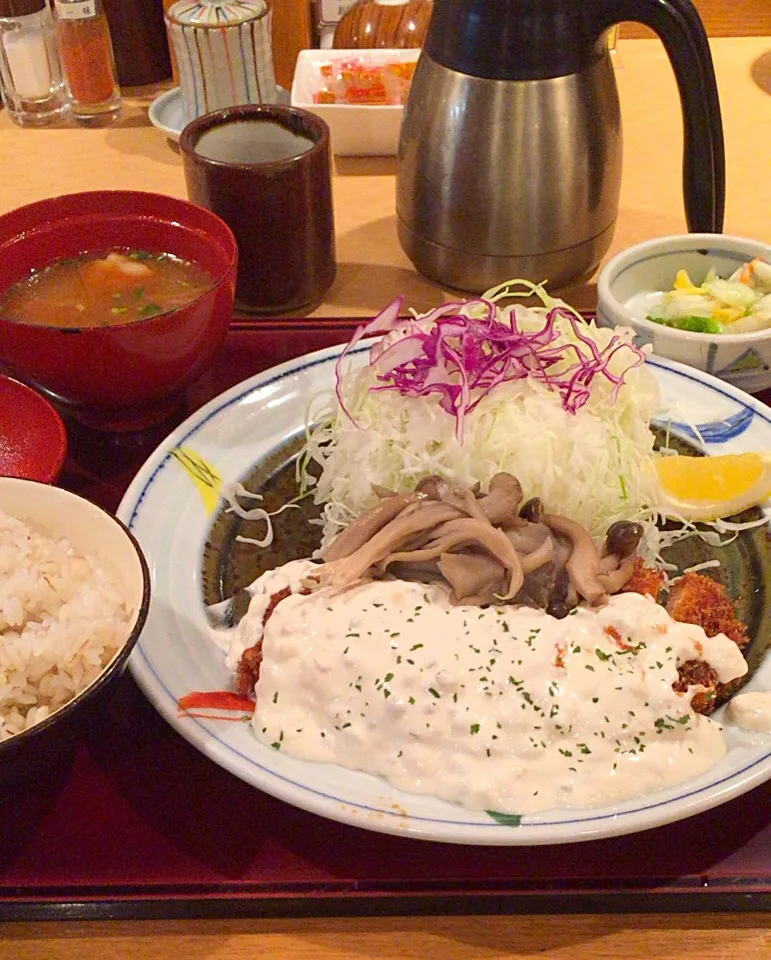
{"points": [[170, 509]]}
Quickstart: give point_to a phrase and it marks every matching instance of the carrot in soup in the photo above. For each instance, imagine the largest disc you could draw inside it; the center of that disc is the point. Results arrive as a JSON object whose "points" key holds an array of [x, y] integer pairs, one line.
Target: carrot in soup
{"points": [[109, 288], [116, 273]]}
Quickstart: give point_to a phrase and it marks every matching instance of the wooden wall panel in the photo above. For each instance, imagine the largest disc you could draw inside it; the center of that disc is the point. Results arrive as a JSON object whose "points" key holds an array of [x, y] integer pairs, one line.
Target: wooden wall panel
{"points": [[291, 33], [723, 18]]}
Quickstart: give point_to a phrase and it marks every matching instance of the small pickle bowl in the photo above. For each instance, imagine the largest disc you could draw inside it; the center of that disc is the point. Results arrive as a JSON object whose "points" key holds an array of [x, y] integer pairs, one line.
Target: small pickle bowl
{"points": [[347, 89], [90, 532], [33, 438], [125, 376], [628, 283]]}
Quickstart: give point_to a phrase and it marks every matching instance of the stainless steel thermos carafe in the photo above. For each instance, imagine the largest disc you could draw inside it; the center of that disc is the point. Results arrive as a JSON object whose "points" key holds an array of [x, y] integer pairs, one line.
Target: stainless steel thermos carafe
{"points": [[509, 160]]}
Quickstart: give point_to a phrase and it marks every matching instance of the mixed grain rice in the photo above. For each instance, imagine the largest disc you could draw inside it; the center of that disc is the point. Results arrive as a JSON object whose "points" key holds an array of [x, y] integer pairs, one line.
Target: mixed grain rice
{"points": [[61, 621]]}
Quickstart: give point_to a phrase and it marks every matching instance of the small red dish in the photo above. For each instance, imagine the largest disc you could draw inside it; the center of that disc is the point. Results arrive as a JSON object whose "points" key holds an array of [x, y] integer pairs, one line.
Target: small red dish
{"points": [[33, 438]]}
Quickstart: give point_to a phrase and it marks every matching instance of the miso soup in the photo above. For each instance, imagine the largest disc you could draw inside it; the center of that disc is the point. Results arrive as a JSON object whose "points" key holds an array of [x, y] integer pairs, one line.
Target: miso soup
{"points": [[104, 289]]}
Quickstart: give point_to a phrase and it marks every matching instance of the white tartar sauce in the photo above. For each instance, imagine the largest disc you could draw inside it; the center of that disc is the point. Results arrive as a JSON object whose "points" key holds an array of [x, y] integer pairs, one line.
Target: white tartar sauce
{"points": [[501, 708], [751, 711]]}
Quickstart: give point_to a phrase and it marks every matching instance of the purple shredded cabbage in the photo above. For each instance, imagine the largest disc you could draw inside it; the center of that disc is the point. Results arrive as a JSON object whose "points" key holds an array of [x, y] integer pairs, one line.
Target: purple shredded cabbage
{"points": [[462, 358]]}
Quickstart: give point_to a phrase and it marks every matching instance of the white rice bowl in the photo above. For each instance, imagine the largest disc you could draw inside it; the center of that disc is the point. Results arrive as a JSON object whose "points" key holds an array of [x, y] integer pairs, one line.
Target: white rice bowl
{"points": [[71, 590]]}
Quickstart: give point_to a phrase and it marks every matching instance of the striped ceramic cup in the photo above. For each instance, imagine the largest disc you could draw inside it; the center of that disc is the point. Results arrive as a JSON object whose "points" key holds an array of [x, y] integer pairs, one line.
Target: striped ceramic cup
{"points": [[224, 53]]}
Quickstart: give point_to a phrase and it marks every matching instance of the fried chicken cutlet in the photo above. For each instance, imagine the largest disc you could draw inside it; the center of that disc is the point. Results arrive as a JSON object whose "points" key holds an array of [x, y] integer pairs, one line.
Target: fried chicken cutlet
{"points": [[696, 598]]}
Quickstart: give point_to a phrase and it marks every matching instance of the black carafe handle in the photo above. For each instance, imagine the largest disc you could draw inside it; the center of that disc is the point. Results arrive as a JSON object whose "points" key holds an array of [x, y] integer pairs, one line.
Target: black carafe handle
{"points": [[682, 32]]}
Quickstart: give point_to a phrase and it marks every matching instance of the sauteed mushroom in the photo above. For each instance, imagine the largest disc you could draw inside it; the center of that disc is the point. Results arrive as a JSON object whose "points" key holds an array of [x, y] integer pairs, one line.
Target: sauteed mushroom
{"points": [[622, 538], [484, 545]]}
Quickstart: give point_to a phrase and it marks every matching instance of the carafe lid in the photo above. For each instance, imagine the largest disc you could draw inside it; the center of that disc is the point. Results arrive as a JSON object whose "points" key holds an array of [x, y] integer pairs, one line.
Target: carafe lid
{"points": [[513, 39], [20, 8]]}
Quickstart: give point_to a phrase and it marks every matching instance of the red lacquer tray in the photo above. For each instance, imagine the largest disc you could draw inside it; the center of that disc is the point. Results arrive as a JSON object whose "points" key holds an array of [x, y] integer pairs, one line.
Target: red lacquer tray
{"points": [[137, 823]]}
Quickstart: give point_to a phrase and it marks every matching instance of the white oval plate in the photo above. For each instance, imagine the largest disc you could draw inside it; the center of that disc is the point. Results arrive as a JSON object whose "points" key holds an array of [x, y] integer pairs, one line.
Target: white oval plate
{"points": [[175, 654]]}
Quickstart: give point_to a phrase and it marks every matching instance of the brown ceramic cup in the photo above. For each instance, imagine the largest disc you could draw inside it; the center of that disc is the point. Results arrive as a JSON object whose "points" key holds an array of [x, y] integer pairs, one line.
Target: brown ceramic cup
{"points": [[265, 170]]}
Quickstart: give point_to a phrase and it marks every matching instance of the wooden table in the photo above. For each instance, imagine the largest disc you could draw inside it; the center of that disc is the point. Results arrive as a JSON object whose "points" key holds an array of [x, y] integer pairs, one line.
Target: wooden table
{"points": [[372, 270], [600, 937]]}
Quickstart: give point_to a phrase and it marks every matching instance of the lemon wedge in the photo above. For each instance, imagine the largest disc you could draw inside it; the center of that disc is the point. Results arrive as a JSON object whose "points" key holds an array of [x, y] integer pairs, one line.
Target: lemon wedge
{"points": [[707, 488]]}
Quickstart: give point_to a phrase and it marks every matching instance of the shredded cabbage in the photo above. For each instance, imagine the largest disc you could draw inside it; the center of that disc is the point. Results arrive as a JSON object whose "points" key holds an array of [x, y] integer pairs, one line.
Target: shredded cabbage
{"points": [[230, 495], [575, 432]]}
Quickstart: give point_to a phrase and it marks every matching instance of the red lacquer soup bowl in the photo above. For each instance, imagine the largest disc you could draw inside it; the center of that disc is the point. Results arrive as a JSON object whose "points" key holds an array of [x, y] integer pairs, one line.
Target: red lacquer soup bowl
{"points": [[131, 375]]}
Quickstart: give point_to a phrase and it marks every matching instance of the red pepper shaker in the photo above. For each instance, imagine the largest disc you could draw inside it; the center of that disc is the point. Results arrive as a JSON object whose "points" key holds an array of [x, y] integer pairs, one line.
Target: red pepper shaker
{"points": [[85, 50]]}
